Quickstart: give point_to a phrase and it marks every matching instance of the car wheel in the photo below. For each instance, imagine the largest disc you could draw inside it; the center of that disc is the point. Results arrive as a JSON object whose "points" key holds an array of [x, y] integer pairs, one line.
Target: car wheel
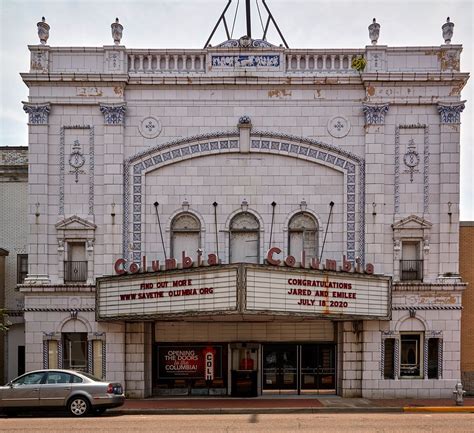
{"points": [[79, 406], [98, 410]]}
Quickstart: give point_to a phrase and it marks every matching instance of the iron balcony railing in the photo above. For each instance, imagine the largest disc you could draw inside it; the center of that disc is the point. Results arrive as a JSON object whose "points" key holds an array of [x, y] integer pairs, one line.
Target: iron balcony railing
{"points": [[411, 270], [75, 272]]}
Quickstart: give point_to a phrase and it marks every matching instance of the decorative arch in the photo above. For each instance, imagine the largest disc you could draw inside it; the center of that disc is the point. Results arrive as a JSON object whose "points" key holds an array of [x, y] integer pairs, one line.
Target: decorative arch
{"points": [[416, 320], [349, 164], [79, 319], [184, 223]]}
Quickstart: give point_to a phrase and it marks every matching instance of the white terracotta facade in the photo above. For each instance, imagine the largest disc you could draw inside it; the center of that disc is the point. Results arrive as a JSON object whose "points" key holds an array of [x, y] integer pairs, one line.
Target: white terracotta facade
{"points": [[113, 130]]}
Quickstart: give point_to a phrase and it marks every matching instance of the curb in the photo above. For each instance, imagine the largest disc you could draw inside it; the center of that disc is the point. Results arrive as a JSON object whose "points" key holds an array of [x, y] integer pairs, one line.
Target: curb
{"points": [[251, 411], [439, 409]]}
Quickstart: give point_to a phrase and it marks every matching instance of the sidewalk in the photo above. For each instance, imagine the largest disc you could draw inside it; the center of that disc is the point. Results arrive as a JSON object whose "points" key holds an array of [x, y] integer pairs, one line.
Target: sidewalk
{"points": [[288, 404]]}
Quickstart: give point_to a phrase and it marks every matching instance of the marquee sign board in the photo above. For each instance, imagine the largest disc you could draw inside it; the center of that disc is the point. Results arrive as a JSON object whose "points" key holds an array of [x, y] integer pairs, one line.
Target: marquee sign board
{"points": [[153, 294], [243, 289], [317, 293]]}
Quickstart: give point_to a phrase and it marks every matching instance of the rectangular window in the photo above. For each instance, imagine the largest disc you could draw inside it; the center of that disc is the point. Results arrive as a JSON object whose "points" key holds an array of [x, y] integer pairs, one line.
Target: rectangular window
{"points": [[410, 351], [75, 268], [75, 350], [22, 267], [411, 265], [433, 356], [389, 359]]}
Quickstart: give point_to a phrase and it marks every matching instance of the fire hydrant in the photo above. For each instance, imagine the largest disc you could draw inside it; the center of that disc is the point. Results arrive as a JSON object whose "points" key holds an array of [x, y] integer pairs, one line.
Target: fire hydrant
{"points": [[459, 394]]}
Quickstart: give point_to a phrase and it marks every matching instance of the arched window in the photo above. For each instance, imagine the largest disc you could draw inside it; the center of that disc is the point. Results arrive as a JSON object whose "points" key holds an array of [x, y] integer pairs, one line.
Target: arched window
{"points": [[303, 236], [185, 235], [244, 239]]}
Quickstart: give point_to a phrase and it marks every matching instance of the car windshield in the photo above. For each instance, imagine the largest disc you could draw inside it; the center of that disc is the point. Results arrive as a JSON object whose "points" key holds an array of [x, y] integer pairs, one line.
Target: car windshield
{"points": [[89, 376]]}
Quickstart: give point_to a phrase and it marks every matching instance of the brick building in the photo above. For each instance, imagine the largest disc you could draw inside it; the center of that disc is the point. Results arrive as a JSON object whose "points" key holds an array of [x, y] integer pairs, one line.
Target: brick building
{"points": [[13, 239], [466, 259], [246, 218]]}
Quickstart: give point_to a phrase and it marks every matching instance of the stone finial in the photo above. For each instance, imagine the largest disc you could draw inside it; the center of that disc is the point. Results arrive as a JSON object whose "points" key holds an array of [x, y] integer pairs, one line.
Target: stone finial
{"points": [[117, 30], [43, 31], [374, 31], [447, 28]]}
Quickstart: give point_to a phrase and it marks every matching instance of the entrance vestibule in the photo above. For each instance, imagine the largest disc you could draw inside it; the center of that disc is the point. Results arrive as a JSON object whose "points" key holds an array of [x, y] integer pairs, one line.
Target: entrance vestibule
{"points": [[299, 368]]}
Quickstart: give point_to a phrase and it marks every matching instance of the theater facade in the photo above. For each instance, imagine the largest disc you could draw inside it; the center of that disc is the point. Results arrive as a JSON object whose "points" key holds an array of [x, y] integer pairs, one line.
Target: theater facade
{"points": [[246, 219]]}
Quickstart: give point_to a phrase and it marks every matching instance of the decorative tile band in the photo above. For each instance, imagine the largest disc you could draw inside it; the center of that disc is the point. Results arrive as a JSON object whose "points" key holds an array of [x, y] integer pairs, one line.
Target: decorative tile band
{"points": [[137, 166]]}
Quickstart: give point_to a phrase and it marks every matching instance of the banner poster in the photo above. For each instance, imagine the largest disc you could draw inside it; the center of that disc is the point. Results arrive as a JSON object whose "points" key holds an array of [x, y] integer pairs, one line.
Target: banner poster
{"points": [[190, 362]]}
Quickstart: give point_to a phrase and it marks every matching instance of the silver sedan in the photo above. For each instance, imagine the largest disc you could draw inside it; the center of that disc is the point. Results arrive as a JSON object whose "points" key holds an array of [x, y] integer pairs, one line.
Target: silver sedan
{"points": [[80, 393]]}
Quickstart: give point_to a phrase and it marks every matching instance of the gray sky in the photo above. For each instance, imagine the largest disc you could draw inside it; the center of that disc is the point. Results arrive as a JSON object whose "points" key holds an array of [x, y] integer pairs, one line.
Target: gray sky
{"points": [[188, 23]]}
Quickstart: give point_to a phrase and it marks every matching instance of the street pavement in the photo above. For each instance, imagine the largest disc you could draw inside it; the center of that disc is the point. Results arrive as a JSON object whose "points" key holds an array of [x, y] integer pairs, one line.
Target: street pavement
{"points": [[250, 423], [287, 404]]}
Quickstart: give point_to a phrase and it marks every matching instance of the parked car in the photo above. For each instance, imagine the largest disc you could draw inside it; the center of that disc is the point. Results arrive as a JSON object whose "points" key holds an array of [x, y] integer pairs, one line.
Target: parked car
{"points": [[78, 392]]}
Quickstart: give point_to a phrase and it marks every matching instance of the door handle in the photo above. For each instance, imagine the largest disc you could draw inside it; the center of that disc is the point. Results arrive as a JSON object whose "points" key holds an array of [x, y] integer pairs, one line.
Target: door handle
{"points": [[67, 388], [35, 389]]}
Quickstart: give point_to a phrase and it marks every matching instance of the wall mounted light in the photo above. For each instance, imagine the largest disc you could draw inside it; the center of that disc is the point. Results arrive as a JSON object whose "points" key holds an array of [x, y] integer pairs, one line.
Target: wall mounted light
{"points": [[112, 213], [450, 213], [374, 206], [37, 212]]}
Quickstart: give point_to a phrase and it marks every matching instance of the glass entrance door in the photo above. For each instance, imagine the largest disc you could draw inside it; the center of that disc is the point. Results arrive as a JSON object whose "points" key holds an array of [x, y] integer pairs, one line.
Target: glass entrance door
{"points": [[299, 368], [280, 368], [318, 368]]}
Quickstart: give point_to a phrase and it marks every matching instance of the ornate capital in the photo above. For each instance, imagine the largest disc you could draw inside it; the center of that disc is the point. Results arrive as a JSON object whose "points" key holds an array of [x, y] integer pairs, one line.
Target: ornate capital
{"points": [[451, 113], [375, 113], [37, 113], [114, 114]]}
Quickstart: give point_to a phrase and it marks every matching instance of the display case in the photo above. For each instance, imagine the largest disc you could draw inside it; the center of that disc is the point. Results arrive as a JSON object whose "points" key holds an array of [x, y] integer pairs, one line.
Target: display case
{"points": [[244, 371]]}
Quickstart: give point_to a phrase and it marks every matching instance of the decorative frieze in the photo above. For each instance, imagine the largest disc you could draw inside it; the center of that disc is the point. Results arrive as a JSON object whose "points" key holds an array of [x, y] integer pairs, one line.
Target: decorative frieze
{"points": [[114, 114], [37, 113], [451, 113], [246, 61], [375, 113]]}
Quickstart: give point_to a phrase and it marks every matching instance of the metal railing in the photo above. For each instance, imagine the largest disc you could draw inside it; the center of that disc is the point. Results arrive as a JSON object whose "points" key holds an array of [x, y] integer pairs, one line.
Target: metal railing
{"points": [[75, 272], [411, 270]]}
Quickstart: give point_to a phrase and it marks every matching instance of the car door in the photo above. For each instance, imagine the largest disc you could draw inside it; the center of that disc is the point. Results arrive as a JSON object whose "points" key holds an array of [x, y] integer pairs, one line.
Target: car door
{"points": [[55, 389], [24, 391]]}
